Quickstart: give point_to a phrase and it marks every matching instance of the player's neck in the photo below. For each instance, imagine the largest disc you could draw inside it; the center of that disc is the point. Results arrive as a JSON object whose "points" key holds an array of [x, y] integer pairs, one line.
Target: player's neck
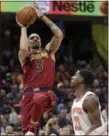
{"points": [[79, 93], [36, 50]]}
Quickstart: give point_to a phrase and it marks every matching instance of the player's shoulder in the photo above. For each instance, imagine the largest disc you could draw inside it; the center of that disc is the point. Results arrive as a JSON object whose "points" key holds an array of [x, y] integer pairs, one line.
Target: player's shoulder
{"points": [[44, 50], [91, 99], [51, 54], [90, 102]]}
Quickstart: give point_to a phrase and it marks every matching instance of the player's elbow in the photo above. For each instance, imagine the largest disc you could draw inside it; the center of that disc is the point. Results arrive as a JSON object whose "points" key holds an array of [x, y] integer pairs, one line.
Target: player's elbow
{"points": [[60, 35]]}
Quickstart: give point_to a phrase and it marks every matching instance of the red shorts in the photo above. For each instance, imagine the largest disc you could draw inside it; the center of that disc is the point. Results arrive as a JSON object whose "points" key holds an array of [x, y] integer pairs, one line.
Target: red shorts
{"points": [[47, 98]]}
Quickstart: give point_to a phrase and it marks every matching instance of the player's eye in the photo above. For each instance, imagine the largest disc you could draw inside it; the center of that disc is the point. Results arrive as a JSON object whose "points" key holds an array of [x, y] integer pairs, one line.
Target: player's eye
{"points": [[33, 37]]}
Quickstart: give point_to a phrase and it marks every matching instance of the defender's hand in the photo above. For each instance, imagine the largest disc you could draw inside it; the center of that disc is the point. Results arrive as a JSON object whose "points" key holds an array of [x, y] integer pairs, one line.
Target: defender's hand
{"points": [[38, 10]]}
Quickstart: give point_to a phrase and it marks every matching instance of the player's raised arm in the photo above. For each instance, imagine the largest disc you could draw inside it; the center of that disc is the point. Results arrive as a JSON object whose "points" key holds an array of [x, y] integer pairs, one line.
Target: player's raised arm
{"points": [[54, 44], [91, 106], [23, 50]]}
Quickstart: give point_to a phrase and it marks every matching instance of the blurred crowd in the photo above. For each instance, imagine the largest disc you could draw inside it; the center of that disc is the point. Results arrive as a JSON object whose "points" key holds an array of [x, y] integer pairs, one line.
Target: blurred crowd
{"points": [[57, 122]]}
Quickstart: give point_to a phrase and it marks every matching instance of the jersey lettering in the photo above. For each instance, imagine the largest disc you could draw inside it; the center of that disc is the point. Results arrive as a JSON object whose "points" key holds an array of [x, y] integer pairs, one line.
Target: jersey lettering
{"points": [[77, 123], [39, 65]]}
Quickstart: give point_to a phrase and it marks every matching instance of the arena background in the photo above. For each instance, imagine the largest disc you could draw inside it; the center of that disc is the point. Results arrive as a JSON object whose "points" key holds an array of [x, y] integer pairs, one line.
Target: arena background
{"points": [[85, 45]]}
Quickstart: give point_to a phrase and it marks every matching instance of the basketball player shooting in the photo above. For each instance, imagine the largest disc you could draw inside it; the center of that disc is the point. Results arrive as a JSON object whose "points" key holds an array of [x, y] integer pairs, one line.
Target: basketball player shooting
{"points": [[86, 110], [39, 73]]}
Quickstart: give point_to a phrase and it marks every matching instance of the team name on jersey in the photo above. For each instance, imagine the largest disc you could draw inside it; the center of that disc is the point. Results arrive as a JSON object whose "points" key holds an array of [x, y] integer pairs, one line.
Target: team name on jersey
{"points": [[39, 55], [77, 110]]}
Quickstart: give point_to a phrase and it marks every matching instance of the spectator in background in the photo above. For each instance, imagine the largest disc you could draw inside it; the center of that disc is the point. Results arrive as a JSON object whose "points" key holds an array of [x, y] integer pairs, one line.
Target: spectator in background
{"points": [[67, 87], [13, 117], [6, 119], [44, 119], [59, 91], [64, 92], [2, 123], [101, 73], [3, 100], [105, 112], [52, 127], [7, 81], [65, 131], [88, 66], [14, 96], [17, 77], [62, 120], [9, 131], [60, 106], [96, 83], [98, 91], [62, 74], [52, 134]]}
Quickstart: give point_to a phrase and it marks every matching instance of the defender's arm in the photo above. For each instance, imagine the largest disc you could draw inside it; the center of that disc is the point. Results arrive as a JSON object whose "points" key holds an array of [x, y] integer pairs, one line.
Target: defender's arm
{"points": [[91, 106]]}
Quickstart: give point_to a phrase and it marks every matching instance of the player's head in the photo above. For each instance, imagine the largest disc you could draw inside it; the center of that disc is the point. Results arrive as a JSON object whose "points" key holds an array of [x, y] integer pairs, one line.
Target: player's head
{"points": [[34, 41], [82, 77]]}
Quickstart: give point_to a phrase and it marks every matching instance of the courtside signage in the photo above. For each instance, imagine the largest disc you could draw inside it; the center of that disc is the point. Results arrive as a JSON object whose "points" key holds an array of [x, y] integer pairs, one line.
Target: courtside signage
{"points": [[79, 8]]}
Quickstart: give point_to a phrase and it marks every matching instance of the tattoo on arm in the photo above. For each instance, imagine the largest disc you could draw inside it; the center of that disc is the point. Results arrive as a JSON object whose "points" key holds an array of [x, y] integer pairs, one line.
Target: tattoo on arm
{"points": [[58, 35], [55, 29], [54, 42]]}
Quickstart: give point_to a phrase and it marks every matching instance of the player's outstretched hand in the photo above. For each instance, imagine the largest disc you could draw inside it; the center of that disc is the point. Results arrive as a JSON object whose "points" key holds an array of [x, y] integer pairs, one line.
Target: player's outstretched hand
{"points": [[19, 24], [38, 10]]}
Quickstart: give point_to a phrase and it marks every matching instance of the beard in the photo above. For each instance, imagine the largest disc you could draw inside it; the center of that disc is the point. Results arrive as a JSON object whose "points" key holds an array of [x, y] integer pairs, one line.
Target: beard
{"points": [[36, 46]]}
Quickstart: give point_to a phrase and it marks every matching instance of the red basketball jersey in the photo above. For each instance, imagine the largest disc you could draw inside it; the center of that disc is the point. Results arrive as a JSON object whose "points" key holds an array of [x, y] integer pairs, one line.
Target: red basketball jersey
{"points": [[39, 71]]}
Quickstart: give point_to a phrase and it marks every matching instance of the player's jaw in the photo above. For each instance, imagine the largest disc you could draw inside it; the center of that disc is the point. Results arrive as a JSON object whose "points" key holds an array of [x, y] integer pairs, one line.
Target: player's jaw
{"points": [[35, 45], [76, 80]]}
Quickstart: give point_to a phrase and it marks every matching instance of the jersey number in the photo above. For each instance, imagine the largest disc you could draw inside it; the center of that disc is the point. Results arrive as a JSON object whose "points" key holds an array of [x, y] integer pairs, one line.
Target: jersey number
{"points": [[77, 123], [39, 65]]}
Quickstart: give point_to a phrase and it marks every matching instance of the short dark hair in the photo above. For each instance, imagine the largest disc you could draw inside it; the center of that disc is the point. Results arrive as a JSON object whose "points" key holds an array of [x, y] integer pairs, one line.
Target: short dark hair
{"points": [[88, 77]]}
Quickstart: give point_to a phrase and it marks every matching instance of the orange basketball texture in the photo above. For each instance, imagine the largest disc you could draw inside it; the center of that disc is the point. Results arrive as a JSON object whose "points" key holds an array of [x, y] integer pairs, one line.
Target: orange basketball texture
{"points": [[26, 15]]}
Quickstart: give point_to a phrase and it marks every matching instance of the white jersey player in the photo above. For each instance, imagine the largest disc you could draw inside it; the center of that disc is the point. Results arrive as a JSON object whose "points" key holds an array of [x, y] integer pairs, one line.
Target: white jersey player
{"points": [[102, 130], [85, 111]]}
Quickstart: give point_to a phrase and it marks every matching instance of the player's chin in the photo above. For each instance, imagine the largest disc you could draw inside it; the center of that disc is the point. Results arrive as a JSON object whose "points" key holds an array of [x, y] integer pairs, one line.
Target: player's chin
{"points": [[73, 84], [35, 46]]}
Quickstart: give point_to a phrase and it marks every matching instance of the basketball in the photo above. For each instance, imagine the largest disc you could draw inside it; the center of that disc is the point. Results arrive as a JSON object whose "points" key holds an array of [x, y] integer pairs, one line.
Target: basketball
{"points": [[26, 15]]}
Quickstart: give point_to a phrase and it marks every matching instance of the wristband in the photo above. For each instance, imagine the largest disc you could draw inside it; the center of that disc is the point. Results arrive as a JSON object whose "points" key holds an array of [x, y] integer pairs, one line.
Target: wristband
{"points": [[41, 16]]}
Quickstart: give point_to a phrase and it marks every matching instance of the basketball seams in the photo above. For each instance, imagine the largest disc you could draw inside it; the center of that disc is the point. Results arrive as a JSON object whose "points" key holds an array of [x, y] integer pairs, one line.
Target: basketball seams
{"points": [[20, 16], [30, 16], [26, 17]]}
